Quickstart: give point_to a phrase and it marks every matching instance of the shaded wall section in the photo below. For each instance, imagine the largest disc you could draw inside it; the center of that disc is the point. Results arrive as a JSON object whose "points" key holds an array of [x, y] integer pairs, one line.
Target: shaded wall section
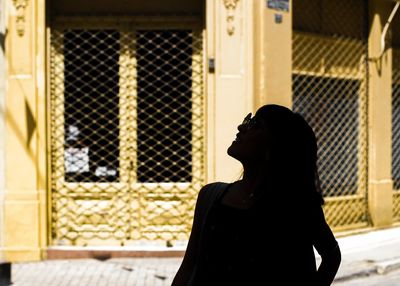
{"points": [[126, 7]]}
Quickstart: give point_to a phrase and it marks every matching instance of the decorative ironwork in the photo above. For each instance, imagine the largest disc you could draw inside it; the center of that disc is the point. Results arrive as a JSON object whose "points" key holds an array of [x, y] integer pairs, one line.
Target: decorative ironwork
{"points": [[20, 6], [127, 125], [230, 6]]}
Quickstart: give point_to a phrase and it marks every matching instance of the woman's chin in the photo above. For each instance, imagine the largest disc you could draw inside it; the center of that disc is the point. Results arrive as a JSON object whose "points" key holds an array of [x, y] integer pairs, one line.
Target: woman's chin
{"points": [[231, 151]]}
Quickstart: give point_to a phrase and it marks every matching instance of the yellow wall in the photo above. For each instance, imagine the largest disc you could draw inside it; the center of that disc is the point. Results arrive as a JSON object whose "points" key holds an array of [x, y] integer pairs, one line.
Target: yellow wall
{"points": [[2, 152]]}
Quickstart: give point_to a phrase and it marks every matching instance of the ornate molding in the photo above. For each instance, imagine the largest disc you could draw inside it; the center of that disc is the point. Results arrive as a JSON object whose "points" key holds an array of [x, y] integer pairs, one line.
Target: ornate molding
{"points": [[230, 6], [20, 7]]}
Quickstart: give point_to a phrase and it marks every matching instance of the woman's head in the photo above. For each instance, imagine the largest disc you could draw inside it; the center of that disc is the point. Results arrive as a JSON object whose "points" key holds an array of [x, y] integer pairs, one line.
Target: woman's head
{"points": [[281, 143]]}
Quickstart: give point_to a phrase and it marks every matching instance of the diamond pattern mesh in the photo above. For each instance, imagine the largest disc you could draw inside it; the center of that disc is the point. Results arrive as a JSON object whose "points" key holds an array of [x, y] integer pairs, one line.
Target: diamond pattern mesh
{"points": [[127, 134], [396, 132], [164, 140], [329, 90]]}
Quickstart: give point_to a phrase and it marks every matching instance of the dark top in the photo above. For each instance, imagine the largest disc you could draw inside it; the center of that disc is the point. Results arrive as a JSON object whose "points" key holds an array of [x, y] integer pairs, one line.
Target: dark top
{"points": [[248, 247], [230, 254]]}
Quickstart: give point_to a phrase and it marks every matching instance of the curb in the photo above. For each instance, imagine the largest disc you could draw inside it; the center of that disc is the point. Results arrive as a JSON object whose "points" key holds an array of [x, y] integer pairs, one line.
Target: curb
{"points": [[378, 268], [387, 266]]}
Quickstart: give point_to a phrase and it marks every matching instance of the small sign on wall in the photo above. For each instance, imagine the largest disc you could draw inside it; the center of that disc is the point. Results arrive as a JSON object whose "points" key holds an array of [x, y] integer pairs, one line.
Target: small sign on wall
{"points": [[280, 5]]}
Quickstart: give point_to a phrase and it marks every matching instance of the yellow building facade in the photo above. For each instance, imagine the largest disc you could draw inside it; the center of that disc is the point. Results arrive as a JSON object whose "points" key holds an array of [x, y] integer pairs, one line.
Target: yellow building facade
{"points": [[117, 112]]}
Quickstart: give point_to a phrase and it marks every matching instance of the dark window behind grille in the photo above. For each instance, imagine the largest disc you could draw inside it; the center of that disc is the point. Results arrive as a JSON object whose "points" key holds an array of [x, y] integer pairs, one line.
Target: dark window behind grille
{"points": [[91, 105], [164, 102], [395, 27], [330, 105], [396, 128]]}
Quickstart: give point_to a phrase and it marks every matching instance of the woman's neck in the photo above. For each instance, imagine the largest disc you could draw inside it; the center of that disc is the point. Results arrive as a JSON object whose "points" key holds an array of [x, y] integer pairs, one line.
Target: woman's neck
{"points": [[255, 176]]}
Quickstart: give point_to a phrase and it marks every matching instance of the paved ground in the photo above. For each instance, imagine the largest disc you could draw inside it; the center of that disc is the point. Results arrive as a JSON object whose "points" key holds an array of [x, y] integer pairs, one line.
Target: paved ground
{"points": [[391, 278], [368, 259], [82, 272], [140, 272]]}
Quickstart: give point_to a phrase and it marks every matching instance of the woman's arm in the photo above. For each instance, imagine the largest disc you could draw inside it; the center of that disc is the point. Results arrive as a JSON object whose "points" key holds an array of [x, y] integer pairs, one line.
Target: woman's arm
{"points": [[329, 250], [189, 260], [329, 266]]}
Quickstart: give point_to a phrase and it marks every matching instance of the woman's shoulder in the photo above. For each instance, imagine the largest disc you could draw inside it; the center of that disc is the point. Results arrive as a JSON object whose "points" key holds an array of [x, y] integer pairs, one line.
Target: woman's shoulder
{"points": [[208, 194], [212, 189], [213, 186]]}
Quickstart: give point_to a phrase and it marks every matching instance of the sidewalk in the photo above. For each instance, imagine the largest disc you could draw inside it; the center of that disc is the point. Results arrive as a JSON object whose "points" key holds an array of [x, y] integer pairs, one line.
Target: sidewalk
{"points": [[365, 254], [375, 252], [92, 272]]}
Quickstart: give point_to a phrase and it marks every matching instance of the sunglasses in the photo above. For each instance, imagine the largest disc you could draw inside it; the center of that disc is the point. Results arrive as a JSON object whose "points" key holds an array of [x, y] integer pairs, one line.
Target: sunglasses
{"points": [[252, 122]]}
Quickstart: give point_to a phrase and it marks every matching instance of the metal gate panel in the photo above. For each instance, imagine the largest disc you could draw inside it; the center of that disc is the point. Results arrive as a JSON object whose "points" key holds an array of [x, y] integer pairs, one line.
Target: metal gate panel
{"points": [[127, 131], [396, 133], [329, 84], [329, 89]]}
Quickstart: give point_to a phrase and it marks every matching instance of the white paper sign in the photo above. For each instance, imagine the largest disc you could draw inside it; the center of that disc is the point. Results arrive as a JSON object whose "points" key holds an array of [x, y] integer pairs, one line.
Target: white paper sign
{"points": [[76, 160], [103, 171], [73, 133]]}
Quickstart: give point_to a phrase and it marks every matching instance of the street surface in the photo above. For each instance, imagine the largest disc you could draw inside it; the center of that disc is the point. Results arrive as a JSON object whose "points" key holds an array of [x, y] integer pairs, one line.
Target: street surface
{"points": [[91, 272], [390, 279], [132, 272], [363, 257]]}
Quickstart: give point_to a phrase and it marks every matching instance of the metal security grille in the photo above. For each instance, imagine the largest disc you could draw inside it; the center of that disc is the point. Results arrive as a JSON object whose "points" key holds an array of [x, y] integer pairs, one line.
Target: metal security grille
{"points": [[396, 132], [164, 67], [127, 132], [330, 91]]}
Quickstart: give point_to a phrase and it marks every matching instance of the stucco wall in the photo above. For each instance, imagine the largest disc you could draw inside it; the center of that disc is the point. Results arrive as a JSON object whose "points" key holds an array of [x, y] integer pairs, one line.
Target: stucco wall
{"points": [[2, 151]]}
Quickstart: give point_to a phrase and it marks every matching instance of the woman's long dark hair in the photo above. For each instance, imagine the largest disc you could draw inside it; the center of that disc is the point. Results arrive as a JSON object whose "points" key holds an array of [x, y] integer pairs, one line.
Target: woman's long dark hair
{"points": [[293, 162]]}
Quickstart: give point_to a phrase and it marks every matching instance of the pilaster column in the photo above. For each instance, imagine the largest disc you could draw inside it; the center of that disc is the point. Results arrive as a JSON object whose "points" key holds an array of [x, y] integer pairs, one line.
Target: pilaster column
{"points": [[230, 84], [25, 216], [379, 120], [273, 53]]}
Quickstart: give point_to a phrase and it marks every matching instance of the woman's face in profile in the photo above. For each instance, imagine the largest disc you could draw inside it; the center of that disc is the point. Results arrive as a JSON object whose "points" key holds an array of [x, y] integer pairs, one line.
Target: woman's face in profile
{"points": [[251, 143]]}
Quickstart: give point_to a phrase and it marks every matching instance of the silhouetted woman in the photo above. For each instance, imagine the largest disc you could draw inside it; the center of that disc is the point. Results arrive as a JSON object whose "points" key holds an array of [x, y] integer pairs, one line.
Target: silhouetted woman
{"points": [[261, 230]]}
